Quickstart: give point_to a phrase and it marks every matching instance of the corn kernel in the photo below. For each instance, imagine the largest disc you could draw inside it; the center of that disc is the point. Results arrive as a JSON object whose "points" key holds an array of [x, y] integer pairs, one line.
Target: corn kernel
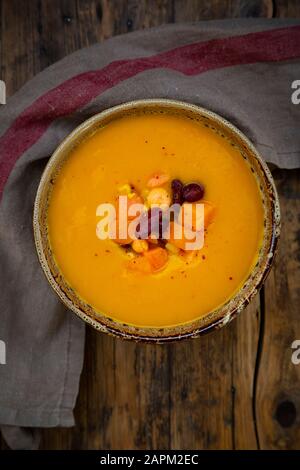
{"points": [[131, 195], [125, 189], [172, 248], [139, 246]]}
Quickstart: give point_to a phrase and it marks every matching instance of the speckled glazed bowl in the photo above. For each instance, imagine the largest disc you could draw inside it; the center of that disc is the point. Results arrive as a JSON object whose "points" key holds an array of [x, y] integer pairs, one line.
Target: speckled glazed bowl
{"points": [[215, 319]]}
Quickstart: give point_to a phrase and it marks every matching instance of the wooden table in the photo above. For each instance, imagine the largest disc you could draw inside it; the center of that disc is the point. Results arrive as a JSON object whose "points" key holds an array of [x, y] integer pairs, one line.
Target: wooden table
{"points": [[236, 389]]}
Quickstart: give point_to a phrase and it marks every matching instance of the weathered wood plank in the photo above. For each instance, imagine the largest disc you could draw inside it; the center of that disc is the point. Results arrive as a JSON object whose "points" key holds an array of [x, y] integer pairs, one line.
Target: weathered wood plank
{"points": [[278, 399], [19, 56], [201, 393], [212, 378], [287, 9], [278, 396], [124, 393], [244, 363], [212, 387], [192, 400]]}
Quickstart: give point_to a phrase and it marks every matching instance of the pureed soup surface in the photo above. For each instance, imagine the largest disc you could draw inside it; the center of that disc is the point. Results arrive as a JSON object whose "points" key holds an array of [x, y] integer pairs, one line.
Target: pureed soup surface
{"points": [[130, 149]]}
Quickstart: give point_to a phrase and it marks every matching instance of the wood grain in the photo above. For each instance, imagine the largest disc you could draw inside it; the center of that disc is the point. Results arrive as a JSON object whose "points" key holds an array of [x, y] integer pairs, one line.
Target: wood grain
{"points": [[284, 9], [234, 389], [196, 10]]}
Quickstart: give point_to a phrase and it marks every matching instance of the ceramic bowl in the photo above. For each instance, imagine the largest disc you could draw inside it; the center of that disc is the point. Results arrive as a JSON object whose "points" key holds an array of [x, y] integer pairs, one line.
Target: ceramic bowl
{"points": [[215, 319]]}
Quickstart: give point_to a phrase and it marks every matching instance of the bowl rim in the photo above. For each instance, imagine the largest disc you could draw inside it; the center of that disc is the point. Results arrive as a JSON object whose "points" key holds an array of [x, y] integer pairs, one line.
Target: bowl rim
{"points": [[191, 329]]}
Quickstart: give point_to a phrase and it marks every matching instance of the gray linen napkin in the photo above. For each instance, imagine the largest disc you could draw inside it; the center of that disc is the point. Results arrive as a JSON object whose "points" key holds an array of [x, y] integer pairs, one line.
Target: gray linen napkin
{"points": [[242, 69]]}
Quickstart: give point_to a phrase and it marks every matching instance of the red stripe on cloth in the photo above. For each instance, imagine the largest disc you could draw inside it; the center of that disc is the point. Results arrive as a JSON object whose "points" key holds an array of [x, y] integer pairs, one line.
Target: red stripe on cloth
{"points": [[31, 124]]}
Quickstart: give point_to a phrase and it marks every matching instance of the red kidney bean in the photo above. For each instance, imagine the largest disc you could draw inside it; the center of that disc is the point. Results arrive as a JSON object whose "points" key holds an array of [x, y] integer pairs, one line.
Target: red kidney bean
{"points": [[192, 192]]}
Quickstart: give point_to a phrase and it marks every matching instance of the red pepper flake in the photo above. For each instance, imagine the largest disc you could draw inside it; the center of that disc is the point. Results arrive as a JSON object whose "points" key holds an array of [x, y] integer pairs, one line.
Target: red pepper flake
{"points": [[107, 251], [163, 148], [203, 257], [230, 278], [96, 254]]}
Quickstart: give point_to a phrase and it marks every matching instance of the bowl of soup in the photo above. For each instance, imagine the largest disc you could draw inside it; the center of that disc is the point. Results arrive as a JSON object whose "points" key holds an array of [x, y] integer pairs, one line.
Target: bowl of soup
{"points": [[127, 168]]}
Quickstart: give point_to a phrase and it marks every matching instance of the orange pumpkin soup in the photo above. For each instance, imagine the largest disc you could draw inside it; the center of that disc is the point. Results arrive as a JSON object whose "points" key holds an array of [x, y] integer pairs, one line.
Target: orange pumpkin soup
{"points": [[146, 158]]}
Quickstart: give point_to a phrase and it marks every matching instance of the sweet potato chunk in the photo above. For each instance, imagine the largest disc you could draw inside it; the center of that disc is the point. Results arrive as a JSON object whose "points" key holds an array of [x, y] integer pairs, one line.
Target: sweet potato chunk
{"points": [[157, 257], [197, 220], [179, 242]]}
